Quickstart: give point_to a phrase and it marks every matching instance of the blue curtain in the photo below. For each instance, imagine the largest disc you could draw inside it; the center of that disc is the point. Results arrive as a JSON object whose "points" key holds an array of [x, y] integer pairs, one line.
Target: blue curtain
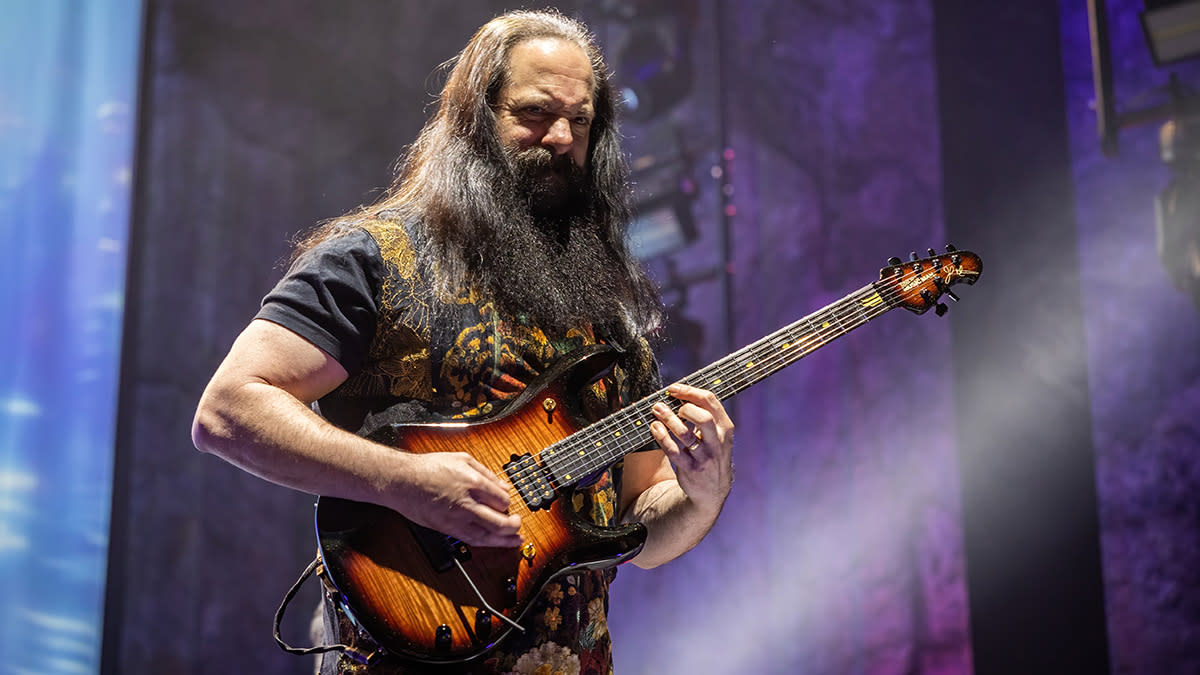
{"points": [[68, 76]]}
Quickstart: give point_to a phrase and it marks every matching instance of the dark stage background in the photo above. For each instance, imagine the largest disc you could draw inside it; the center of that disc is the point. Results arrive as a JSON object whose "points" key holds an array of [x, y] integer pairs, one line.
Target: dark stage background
{"points": [[919, 497]]}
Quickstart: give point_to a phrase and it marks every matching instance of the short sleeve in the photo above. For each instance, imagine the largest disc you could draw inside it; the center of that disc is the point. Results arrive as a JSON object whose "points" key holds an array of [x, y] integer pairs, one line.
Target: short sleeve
{"points": [[330, 297]]}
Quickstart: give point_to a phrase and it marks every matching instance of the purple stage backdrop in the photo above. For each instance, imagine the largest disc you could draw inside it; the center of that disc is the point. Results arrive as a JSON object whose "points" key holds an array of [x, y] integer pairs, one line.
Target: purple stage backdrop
{"points": [[840, 549], [1143, 361], [796, 147]]}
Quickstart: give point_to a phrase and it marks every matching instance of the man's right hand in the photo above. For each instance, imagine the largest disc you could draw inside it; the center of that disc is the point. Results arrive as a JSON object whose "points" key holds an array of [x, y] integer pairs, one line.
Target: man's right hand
{"points": [[455, 494]]}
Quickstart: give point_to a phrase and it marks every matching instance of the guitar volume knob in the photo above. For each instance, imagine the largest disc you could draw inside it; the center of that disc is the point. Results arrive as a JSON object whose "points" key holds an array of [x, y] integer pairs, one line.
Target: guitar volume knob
{"points": [[442, 637], [483, 624]]}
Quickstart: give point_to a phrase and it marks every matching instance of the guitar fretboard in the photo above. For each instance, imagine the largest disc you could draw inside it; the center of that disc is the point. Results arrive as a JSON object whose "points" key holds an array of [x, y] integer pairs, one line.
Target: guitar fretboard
{"points": [[589, 450]]}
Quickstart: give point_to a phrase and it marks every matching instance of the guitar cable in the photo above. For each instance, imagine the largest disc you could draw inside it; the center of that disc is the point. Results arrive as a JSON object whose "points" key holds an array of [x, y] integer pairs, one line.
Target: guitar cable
{"points": [[482, 602], [304, 651]]}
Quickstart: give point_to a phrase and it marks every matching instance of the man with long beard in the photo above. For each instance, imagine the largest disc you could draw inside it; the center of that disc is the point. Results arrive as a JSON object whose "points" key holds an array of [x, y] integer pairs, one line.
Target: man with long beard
{"points": [[498, 250]]}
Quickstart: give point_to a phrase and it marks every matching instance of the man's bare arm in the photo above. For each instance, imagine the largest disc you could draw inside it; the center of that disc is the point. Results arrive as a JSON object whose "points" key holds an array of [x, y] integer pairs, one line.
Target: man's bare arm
{"points": [[254, 413]]}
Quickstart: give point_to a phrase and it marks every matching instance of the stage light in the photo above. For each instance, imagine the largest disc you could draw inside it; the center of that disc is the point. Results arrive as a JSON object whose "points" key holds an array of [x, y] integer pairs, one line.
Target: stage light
{"points": [[653, 68], [1177, 208], [662, 221], [1172, 29]]}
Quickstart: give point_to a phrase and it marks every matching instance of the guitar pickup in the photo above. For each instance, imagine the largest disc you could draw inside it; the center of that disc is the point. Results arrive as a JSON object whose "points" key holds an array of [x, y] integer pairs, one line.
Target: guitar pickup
{"points": [[529, 478]]}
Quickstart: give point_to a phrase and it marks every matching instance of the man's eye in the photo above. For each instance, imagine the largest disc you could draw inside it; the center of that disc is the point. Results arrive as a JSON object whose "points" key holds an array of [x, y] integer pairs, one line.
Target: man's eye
{"points": [[583, 121]]}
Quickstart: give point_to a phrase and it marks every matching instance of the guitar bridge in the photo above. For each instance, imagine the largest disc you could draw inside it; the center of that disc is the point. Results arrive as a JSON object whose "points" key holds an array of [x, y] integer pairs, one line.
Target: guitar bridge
{"points": [[529, 478]]}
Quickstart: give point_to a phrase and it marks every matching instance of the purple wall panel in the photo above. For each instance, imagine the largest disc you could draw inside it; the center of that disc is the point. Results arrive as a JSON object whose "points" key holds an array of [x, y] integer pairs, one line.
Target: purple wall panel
{"points": [[847, 493], [1143, 361]]}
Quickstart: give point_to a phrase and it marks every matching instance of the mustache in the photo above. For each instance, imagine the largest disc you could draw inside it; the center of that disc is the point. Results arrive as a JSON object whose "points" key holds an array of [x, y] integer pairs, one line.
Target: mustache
{"points": [[538, 158]]}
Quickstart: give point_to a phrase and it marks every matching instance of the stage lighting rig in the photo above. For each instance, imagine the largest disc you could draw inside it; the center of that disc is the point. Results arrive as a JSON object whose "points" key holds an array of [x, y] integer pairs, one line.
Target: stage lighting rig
{"points": [[1172, 29], [652, 54], [1170, 39], [654, 69], [1177, 208], [664, 192]]}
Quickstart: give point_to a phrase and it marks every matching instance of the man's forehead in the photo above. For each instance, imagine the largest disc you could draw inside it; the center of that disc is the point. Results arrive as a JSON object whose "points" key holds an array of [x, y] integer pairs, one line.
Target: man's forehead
{"points": [[548, 61]]}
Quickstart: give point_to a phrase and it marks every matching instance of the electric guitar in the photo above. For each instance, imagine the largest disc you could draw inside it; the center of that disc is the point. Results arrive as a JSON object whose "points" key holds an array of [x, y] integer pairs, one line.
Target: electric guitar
{"points": [[428, 599]]}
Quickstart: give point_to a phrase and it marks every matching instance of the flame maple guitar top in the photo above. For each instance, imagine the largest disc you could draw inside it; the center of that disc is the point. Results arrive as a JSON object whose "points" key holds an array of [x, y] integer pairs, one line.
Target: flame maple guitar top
{"points": [[421, 607]]}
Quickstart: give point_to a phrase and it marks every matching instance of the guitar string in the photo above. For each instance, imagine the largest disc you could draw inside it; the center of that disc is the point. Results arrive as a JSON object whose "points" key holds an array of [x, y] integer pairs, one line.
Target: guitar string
{"points": [[632, 417], [773, 358]]}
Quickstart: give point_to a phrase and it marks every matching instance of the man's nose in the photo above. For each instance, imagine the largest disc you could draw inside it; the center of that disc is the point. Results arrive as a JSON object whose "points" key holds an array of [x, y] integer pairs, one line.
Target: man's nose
{"points": [[559, 136]]}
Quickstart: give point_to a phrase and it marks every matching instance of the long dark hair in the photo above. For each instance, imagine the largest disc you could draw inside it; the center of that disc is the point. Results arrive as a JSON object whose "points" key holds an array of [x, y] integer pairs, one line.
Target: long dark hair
{"points": [[446, 178]]}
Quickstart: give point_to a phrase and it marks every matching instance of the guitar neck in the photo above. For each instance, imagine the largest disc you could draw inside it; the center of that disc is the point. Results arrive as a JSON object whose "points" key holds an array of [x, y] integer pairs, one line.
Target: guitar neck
{"points": [[586, 452]]}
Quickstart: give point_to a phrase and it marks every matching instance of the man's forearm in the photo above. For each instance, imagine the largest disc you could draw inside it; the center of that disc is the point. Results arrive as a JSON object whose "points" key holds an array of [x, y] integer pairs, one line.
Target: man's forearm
{"points": [[268, 432], [675, 522]]}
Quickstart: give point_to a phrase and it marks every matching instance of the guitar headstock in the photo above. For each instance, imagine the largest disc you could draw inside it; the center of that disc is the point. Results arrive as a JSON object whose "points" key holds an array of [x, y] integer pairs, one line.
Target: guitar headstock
{"points": [[917, 284]]}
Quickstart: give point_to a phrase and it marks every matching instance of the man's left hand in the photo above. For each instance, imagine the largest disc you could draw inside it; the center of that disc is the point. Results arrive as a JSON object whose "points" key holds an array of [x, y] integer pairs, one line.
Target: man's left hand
{"points": [[698, 440]]}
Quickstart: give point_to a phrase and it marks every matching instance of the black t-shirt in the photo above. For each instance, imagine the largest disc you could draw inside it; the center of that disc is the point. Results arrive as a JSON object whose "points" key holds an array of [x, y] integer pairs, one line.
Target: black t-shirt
{"points": [[331, 297]]}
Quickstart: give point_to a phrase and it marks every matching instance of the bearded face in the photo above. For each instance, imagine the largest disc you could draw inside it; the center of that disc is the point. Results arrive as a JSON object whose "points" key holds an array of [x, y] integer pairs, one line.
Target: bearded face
{"points": [[534, 230]]}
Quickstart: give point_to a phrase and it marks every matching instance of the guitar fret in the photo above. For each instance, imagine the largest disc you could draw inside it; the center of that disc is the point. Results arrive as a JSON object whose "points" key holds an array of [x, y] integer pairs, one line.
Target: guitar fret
{"points": [[625, 431]]}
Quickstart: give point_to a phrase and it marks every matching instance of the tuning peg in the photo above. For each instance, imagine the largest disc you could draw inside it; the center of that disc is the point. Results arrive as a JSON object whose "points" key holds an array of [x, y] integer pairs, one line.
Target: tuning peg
{"points": [[950, 248], [945, 288], [932, 252], [912, 256], [894, 261], [938, 308]]}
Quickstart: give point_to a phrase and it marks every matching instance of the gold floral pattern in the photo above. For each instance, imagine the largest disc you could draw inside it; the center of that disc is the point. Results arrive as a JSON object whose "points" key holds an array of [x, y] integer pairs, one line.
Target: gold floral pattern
{"points": [[397, 362]]}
